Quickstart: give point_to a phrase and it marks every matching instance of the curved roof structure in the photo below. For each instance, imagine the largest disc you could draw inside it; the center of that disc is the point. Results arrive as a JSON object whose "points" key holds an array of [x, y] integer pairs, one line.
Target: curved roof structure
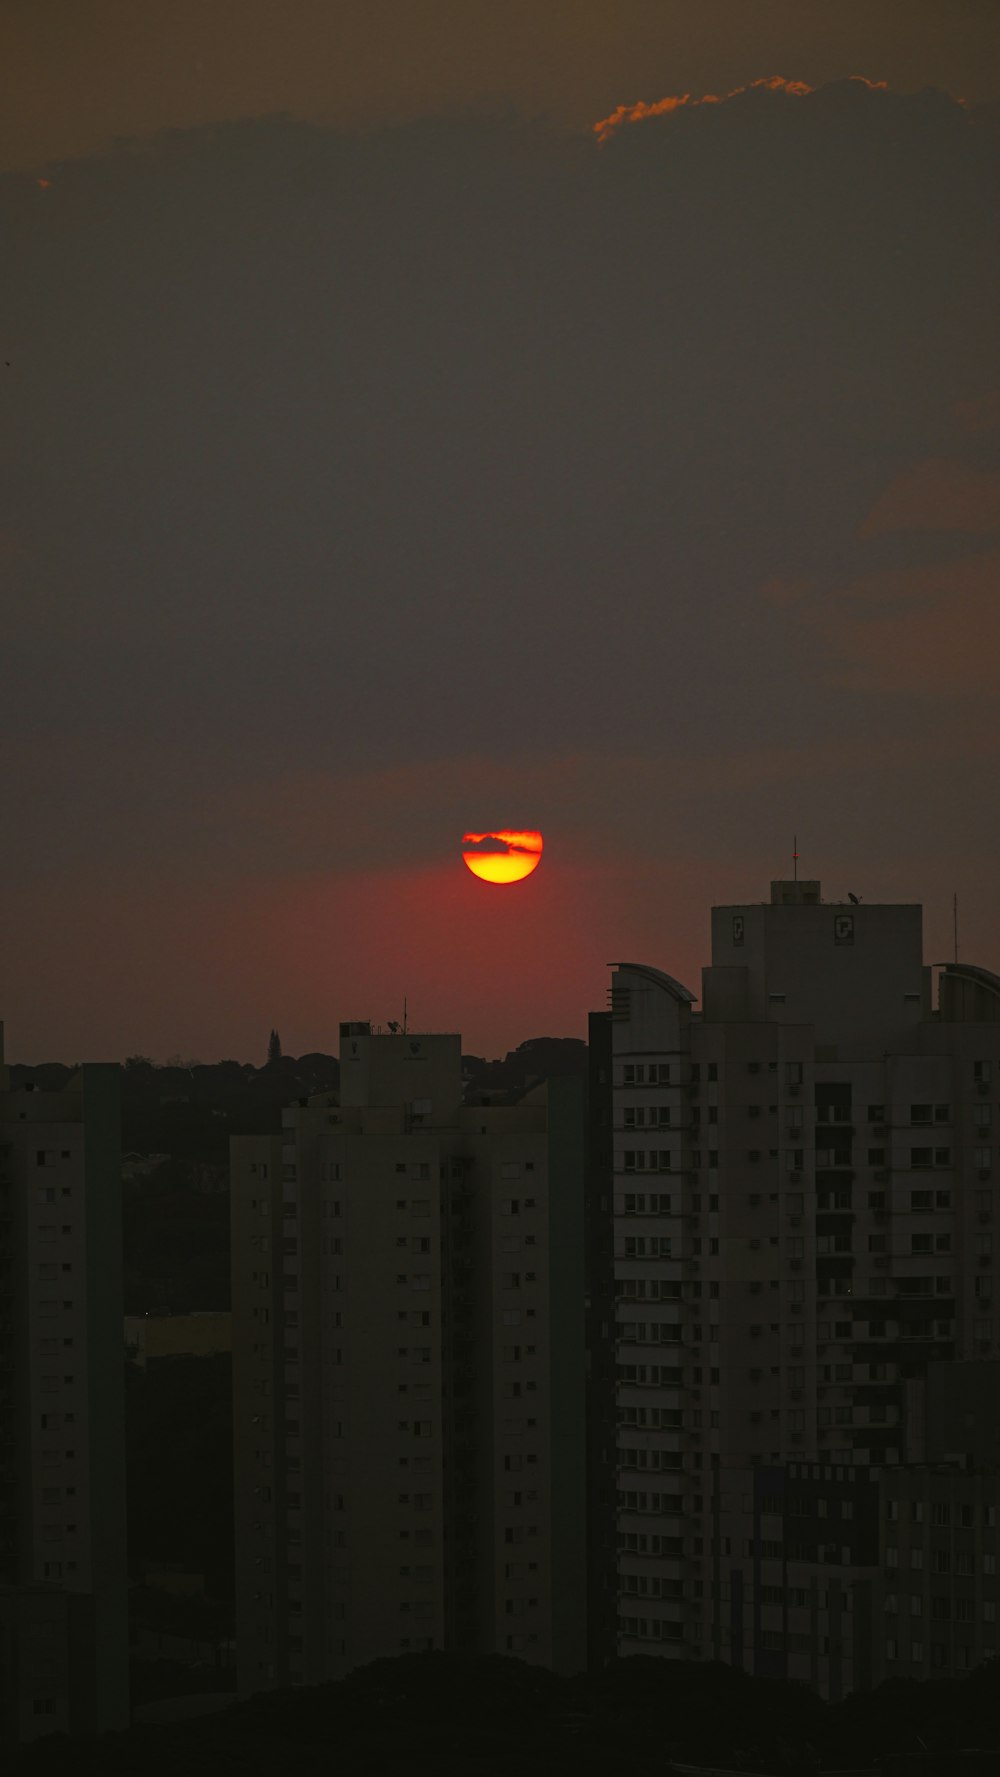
{"points": [[982, 977], [676, 989]]}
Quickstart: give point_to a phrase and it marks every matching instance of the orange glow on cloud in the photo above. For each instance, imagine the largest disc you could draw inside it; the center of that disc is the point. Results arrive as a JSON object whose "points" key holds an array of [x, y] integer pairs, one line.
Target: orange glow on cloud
{"points": [[502, 856], [775, 83]]}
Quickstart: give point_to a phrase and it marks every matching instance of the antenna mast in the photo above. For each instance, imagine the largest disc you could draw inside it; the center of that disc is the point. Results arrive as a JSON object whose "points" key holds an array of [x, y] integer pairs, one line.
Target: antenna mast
{"points": [[954, 911], [795, 857]]}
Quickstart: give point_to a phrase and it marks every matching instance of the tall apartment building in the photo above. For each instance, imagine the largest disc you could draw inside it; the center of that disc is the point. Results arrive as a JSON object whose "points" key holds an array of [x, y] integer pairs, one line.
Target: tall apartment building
{"points": [[408, 1353], [843, 1577], [804, 1177], [63, 1565]]}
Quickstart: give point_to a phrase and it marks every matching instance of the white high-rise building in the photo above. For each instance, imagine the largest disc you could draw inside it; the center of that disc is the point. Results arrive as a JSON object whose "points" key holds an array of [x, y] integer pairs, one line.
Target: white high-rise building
{"points": [[805, 1180], [63, 1563], [408, 1355]]}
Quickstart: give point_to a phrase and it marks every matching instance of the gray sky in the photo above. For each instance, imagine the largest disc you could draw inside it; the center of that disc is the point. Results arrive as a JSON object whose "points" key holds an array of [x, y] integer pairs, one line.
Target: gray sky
{"points": [[371, 476]]}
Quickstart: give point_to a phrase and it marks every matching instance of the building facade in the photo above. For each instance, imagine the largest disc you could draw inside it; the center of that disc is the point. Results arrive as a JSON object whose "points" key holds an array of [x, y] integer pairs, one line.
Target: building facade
{"points": [[408, 1349], [804, 1177], [841, 1578], [63, 1559]]}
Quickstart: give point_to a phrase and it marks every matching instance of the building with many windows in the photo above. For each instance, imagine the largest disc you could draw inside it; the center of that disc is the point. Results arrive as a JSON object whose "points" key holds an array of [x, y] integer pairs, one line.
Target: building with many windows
{"points": [[804, 1178], [63, 1568], [408, 1355]]}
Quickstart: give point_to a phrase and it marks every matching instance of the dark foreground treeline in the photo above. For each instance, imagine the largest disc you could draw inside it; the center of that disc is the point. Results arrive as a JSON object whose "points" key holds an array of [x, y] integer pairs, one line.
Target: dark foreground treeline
{"points": [[444, 1715]]}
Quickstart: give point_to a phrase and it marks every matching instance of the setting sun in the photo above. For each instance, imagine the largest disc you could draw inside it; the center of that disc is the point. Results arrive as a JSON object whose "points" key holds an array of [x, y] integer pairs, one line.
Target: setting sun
{"points": [[502, 856]]}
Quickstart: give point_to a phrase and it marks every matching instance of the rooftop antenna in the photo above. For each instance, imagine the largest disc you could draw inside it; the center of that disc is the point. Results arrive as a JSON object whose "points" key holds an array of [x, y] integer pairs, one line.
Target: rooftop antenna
{"points": [[795, 857], [955, 921], [404, 1016]]}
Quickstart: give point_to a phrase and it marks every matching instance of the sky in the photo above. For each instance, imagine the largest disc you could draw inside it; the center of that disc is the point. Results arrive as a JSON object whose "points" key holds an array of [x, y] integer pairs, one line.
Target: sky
{"points": [[389, 452]]}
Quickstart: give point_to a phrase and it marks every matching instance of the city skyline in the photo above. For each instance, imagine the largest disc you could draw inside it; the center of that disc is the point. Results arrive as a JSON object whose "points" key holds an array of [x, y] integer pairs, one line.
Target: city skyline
{"points": [[489, 490], [691, 1354], [450, 912]]}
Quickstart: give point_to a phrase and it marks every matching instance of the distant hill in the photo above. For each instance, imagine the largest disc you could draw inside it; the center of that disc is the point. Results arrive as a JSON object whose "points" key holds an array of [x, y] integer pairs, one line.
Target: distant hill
{"points": [[187, 1112], [176, 1123], [539, 1058]]}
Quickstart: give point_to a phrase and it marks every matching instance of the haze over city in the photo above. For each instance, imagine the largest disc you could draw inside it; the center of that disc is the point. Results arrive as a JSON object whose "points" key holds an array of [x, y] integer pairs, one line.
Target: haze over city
{"points": [[386, 457], [499, 869]]}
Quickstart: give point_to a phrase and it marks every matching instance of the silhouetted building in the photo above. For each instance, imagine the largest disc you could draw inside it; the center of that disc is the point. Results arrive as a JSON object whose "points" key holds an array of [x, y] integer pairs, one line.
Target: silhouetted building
{"points": [[804, 1177], [841, 1578], [935, 1589], [63, 1569], [602, 1596], [794, 1556], [408, 1344]]}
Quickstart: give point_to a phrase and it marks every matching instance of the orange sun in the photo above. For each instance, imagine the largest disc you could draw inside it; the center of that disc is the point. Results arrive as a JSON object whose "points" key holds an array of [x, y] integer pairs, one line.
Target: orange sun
{"points": [[502, 856]]}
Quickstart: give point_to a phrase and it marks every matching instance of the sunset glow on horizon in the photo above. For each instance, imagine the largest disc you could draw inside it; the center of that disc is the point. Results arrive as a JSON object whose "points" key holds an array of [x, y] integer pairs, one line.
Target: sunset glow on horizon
{"points": [[502, 856]]}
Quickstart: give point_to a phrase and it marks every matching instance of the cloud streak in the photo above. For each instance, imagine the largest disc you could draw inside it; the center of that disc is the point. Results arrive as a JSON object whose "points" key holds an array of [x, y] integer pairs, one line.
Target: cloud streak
{"points": [[609, 126]]}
